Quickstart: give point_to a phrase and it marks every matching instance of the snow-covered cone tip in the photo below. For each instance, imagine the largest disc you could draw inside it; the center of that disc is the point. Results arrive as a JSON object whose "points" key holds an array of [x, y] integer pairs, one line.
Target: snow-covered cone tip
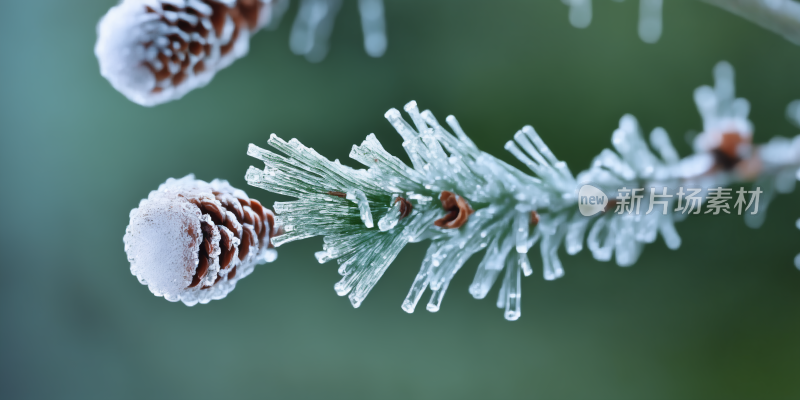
{"points": [[155, 51], [192, 241]]}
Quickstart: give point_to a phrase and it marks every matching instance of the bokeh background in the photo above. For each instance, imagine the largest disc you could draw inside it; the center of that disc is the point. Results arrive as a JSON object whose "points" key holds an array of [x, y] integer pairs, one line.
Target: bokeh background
{"points": [[717, 319]]}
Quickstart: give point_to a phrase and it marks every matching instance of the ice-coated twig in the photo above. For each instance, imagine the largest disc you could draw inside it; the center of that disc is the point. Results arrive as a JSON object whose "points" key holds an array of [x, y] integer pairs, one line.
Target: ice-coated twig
{"points": [[779, 16], [466, 201]]}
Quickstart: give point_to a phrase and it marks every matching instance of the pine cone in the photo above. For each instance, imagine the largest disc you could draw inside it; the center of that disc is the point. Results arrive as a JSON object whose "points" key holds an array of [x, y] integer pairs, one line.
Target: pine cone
{"points": [[155, 51], [192, 241]]}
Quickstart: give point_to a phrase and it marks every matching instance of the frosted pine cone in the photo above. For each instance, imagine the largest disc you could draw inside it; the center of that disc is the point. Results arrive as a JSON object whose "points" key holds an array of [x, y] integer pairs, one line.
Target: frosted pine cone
{"points": [[192, 241], [155, 51]]}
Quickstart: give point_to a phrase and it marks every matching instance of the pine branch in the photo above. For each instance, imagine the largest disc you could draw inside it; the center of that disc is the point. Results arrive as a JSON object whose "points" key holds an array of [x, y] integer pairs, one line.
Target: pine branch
{"points": [[464, 200]]}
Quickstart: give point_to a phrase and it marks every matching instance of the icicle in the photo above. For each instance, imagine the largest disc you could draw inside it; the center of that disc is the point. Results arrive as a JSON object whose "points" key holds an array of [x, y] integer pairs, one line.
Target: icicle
{"points": [[436, 297], [391, 218], [552, 268], [625, 244], [580, 13], [793, 112], [660, 141], [524, 264], [483, 281], [576, 229], [667, 228], [421, 281], [601, 239], [513, 292], [650, 24], [312, 28], [521, 231], [374, 26], [358, 197]]}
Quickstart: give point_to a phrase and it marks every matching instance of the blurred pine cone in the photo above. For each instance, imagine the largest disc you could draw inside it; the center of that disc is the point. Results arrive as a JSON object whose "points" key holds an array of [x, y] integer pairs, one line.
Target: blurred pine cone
{"points": [[155, 51], [192, 241]]}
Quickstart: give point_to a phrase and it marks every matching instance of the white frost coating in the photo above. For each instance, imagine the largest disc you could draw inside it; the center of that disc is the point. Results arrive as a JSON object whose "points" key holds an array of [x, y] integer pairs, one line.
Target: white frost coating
{"points": [[120, 51], [164, 237], [130, 38], [162, 242]]}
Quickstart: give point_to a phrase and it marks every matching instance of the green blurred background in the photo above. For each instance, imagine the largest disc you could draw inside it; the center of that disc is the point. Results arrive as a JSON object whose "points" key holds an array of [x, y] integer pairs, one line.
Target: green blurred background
{"points": [[716, 319]]}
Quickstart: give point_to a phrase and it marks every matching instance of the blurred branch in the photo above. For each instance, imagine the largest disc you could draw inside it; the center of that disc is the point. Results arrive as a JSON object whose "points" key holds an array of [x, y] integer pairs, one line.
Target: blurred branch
{"points": [[779, 16]]}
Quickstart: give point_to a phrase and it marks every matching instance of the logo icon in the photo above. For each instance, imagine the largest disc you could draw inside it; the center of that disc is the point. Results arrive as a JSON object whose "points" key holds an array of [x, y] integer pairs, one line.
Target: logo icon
{"points": [[591, 200]]}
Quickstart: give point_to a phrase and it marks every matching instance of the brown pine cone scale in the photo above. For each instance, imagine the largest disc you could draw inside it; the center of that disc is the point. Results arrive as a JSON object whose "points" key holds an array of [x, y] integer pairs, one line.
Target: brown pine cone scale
{"points": [[244, 219]]}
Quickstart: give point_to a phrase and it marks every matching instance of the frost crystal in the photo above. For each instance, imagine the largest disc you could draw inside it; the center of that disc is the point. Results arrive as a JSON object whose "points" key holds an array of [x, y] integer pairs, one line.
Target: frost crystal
{"points": [[192, 241]]}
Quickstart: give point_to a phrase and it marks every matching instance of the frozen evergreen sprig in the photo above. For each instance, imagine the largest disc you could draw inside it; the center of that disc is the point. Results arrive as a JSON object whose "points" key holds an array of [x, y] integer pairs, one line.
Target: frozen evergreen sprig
{"points": [[466, 201], [339, 203]]}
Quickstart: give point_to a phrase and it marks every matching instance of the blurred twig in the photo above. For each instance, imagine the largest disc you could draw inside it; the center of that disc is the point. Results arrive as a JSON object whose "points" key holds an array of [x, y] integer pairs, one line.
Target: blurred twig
{"points": [[779, 16]]}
